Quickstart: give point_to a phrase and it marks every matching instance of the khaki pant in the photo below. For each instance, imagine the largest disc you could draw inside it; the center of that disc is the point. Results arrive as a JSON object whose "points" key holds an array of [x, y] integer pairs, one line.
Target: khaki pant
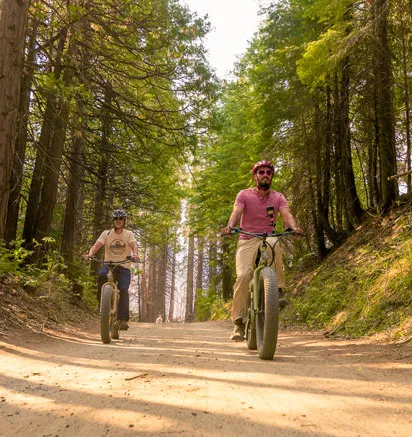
{"points": [[245, 263]]}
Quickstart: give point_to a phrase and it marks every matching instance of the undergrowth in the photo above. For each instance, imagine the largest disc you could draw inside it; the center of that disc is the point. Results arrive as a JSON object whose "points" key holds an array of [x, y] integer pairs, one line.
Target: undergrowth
{"points": [[360, 290], [210, 306], [49, 279]]}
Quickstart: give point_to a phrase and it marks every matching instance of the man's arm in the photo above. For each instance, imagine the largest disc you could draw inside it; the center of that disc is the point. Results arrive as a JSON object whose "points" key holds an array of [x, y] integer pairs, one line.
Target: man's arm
{"points": [[93, 250], [288, 220], [133, 246], [234, 220]]}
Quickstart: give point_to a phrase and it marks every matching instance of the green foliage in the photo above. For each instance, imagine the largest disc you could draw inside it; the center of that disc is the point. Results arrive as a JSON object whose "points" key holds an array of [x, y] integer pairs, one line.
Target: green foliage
{"points": [[369, 294], [12, 259], [318, 62], [210, 306], [53, 277]]}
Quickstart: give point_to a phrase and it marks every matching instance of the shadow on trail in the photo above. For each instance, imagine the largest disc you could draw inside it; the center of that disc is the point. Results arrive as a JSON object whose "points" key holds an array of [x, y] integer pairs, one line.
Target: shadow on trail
{"points": [[205, 347], [62, 401]]}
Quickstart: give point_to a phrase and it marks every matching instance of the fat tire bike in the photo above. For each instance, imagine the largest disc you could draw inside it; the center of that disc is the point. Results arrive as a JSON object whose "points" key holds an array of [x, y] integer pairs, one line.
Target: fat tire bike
{"points": [[109, 302], [262, 324]]}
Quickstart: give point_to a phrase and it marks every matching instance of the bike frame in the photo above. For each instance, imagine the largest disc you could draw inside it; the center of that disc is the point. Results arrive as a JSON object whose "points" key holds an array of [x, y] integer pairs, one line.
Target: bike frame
{"points": [[112, 282], [262, 264]]}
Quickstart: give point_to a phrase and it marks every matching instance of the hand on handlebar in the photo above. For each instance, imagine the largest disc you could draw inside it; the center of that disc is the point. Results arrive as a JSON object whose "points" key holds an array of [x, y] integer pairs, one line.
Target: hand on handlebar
{"points": [[87, 257], [298, 231], [226, 232]]}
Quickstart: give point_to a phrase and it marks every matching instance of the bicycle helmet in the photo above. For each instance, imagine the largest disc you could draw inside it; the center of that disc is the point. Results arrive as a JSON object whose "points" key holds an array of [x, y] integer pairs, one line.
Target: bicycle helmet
{"points": [[263, 163], [119, 213]]}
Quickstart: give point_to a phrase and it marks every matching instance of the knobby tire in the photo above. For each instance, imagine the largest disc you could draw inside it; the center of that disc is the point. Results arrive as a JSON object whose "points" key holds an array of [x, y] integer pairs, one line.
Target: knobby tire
{"points": [[106, 313], [267, 318]]}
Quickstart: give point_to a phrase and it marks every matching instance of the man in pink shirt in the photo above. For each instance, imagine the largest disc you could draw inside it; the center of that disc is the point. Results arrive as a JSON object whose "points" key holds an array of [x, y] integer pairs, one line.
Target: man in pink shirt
{"points": [[249, 211]]}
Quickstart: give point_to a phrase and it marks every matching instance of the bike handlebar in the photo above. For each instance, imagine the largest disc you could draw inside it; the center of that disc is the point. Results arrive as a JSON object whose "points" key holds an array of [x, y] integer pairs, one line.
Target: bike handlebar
{"points": [[287, 231], [128, 259]]}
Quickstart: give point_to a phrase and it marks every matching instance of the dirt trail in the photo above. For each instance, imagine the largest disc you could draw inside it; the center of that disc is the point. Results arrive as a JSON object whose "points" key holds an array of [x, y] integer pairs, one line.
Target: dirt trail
{"points": [[188, 379]]}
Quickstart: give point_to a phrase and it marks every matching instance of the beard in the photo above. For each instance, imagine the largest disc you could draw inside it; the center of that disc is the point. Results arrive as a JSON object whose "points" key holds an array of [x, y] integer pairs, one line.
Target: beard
{"points": [[264, 185]]}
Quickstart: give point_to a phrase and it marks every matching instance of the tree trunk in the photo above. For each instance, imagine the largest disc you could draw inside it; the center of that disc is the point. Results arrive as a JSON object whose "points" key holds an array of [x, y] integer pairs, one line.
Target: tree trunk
{"points": [[405, 33], [74, 200], [200, 263], [101, 191], [43, 146], [72, 212], [227, 286], [173, 283], [21, 140], [144, 284], [352, 202], [13, 20], [320, 200], [54, 159], [385, 116], [152, 287], [212, 279], [162, 266], [189, 279]]}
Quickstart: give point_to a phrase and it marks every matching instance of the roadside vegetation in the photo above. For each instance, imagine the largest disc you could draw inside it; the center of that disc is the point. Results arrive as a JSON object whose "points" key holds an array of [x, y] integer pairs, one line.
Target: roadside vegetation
{"points": [[365, 286]]}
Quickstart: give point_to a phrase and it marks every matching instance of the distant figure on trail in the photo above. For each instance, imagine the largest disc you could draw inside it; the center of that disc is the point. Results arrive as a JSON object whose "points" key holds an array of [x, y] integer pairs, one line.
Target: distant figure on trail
{"points": [[249, 211], [159, 319], [119, 243]]}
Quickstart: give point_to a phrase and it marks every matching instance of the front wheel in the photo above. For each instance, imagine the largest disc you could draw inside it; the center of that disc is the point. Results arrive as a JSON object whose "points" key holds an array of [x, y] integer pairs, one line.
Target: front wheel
{"points": [[106, 306], [267, 317]]}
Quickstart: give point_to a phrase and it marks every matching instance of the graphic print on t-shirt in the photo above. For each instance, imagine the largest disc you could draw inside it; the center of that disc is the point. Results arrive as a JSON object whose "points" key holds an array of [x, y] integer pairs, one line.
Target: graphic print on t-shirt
{"points": [[117, 247]]}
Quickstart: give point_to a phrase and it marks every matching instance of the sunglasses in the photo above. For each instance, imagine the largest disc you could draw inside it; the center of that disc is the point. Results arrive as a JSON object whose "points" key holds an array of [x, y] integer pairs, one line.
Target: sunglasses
{"points": [[268, 172], [118, 218]]}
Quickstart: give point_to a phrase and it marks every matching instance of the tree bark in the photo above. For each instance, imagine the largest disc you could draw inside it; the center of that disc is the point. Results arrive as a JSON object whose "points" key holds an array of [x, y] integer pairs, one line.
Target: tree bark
{"points": [[405, 34], [353, 208], [173, 283], [54, 158], [212, 277], [13, 21], [200, 263], [227, 286], [72, 212], [101, 190], [43, 146], [385, 115], [189, 279], [21, 139]]}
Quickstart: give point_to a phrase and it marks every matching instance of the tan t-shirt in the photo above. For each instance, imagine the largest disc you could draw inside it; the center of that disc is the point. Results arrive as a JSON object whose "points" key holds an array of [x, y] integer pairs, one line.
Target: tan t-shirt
{"points": [[116, 246]]}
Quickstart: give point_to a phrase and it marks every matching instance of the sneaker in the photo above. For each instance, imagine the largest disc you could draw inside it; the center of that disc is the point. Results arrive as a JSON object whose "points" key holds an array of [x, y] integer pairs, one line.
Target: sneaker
{"points": [[238, 333], [123, 325]]}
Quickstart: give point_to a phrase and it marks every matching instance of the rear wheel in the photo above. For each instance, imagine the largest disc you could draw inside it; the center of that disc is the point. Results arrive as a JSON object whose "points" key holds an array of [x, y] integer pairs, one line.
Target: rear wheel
{"points": [[106, 305], [267, 318]]}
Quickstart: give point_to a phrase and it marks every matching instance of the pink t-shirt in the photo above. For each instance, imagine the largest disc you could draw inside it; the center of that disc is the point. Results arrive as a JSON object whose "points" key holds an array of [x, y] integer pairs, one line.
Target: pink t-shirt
{"points": [[254, 218]]}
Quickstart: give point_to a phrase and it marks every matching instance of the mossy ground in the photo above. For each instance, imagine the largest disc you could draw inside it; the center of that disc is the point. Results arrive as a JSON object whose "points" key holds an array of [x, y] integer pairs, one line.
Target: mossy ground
{"points": [[365, 286]]}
